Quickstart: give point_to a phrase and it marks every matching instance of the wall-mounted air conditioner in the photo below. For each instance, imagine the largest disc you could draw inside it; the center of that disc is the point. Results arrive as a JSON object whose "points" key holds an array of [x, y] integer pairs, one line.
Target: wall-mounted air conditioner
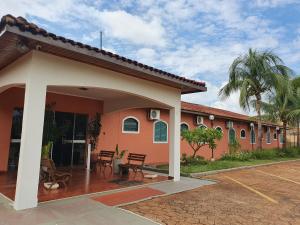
{"points": [[199, 120], [154, 114], [229, 124]]}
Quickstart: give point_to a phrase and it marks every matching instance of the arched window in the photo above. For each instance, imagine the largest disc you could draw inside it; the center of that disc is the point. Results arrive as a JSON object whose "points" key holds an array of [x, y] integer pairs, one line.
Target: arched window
{"points": [[160, 132], [281, 136], [252, 136], [202, 126], [268, 135], [231, 135], [243, 134], [184, 126], [131, 125], [219, 129]]}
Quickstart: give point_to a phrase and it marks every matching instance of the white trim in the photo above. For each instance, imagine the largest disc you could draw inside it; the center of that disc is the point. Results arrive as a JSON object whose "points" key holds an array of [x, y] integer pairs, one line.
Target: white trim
{"points": [[220, 128], [200, 125], [252, 128], [15, 140], [160, 142], [74, 141], [241, 134], [130, 132], [185, 124]]}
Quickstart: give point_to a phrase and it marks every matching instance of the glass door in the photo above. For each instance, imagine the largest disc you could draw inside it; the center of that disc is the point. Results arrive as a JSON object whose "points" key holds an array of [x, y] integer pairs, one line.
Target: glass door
{"points": [[79, 139], [69, 150], [16, 130], [62, 148]]}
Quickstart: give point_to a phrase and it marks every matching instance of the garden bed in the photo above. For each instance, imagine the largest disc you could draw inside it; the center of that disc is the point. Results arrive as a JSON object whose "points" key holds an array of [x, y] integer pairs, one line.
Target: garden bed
{"points": [[239, 160]]}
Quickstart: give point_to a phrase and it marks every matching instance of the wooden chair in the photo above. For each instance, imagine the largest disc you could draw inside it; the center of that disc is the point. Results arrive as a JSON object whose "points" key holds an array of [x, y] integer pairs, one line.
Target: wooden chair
{"points": [[51, 174], [135, 162], [105, 159]]}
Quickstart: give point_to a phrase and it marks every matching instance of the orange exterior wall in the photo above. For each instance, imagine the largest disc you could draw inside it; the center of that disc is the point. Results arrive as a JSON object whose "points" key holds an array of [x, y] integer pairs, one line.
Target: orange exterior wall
{"points": [[142, 142], [157, 153], [111, 133], [14, 97]]}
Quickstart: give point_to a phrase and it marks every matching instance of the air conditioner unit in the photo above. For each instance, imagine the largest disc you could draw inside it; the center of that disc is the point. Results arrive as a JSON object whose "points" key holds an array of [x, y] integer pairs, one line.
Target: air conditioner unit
{"points": [[154, 114], [199, 120], [229, 124]]}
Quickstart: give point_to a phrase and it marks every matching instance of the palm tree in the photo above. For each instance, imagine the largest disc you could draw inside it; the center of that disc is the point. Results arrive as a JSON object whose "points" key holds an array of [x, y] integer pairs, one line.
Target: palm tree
{"points": [[295, 113], [254, 74], [281, 104]]}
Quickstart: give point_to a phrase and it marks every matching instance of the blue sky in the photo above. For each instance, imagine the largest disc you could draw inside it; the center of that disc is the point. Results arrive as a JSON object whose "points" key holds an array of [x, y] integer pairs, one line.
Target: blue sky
{"points": [[194, 38]]}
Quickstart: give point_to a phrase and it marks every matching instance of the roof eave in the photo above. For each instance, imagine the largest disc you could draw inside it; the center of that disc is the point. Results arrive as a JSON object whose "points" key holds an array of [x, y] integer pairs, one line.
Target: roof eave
{"points": [[186, 87]]}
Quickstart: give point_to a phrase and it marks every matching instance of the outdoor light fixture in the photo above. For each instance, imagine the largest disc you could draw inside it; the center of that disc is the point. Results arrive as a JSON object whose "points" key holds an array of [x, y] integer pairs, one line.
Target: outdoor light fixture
{"points": [[21, 47], [211, 117], [277, 128], [251, 124]]}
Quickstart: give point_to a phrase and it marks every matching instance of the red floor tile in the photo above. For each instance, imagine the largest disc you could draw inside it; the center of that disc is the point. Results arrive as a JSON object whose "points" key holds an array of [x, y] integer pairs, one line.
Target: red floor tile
{"points": [[128, 196]]}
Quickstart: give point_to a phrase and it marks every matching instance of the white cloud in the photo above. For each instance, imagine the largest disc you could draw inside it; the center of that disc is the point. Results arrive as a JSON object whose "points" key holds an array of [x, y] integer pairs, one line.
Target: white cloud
{"points": [[211, 98], [198, 39], [118, 24], [274, 3], [123, 25]]}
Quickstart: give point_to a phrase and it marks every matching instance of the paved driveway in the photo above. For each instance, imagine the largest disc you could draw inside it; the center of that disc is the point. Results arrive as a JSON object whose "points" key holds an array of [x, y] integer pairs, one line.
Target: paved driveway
{"points": [[264, 196]]}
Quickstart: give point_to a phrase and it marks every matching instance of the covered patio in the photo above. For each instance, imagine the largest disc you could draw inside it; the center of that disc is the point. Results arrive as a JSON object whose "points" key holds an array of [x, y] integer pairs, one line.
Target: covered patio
{"points": [[43, 66], [83, 182]]}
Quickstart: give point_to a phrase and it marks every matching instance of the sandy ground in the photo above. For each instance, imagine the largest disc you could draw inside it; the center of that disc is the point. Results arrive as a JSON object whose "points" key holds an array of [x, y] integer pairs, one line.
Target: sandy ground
{"points": [[264, 195]]}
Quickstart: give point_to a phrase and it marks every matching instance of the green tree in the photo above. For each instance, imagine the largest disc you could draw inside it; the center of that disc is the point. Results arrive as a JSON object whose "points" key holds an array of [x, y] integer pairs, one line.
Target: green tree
{"points": [[281, 104], [200, 137], [295, 113], [254, 74]]}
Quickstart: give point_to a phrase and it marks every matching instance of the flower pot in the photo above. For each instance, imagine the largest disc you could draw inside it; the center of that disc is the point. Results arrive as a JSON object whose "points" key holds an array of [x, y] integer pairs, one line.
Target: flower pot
{"points": [[117, 162]]}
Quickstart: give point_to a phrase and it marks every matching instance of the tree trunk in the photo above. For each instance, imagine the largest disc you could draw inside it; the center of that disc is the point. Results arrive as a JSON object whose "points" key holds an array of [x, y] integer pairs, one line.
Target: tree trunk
{"points": [[194, 154], [258, 110], [298, 133], [284, 134]]}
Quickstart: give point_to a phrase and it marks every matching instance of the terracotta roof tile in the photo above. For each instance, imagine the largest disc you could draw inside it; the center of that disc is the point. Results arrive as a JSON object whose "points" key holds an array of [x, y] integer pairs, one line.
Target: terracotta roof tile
{"points": [[218, 112], [24, 25]]}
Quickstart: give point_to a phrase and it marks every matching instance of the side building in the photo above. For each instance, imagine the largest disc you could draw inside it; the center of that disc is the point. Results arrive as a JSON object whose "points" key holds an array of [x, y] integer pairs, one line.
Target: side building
{"points": [[138, 130]]}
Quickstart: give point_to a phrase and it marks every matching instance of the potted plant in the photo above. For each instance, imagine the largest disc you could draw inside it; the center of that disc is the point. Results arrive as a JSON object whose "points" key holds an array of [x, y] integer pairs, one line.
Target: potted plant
{"points": [[93, 132], [119, 155]]}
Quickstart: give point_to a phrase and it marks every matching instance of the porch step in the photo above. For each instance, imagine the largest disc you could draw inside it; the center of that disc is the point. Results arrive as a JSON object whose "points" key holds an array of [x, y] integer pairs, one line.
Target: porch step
{"points": [[126, 197]]}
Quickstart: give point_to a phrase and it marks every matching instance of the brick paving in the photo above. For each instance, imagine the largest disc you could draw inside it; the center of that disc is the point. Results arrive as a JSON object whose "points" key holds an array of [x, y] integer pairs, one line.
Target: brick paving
{"points": [[228, 203]]}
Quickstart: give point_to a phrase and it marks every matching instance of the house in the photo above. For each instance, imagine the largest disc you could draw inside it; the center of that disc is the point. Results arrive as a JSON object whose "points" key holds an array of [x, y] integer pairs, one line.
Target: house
{"points": [[39, 68], [140, 106]]}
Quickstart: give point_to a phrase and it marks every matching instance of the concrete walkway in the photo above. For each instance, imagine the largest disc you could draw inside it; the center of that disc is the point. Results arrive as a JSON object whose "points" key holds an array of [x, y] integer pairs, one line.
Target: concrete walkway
{"points": [[85, 211]]}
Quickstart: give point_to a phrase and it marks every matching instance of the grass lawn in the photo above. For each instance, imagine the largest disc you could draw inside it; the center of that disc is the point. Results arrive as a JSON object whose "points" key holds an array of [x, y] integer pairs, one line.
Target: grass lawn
{"points": [[223, 164]]}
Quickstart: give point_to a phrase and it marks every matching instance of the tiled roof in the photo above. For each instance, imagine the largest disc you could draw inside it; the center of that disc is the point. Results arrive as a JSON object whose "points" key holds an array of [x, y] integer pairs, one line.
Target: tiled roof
{"points": [[25, 26], [218, 112], [214, 111]]}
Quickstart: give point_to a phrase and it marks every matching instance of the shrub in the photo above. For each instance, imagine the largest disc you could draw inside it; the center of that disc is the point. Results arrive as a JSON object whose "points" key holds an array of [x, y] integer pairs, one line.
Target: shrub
{"points": [[234, 147], [265, 154], [290, 152], [190, 160], [239, 156], [262, 154]]}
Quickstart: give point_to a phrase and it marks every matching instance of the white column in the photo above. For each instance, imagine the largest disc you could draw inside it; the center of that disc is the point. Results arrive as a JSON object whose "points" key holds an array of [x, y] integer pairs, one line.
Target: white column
{"points": [[174, 145], [88, 158], [31, 143]]}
